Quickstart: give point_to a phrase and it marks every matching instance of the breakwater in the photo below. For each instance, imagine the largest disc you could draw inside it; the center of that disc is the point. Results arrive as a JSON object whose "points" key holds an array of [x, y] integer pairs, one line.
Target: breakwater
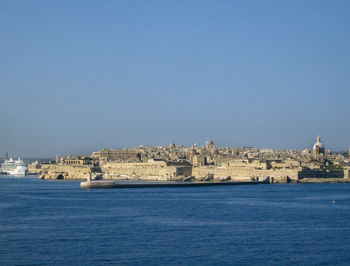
{"points": [[111, 184]]}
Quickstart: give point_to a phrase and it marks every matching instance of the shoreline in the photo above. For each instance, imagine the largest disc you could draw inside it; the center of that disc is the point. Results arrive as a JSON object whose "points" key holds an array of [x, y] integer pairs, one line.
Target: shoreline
{"points": [[291, 181], [190, 183]]}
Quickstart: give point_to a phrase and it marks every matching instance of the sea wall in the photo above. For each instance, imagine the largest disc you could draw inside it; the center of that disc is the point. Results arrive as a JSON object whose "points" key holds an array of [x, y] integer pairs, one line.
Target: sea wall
{"points": [[320, 174], [220, 173]]}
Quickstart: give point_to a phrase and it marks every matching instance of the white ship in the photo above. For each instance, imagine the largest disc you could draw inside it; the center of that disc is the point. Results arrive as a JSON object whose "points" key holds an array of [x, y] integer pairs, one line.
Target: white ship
{"points": [[14, 167]]}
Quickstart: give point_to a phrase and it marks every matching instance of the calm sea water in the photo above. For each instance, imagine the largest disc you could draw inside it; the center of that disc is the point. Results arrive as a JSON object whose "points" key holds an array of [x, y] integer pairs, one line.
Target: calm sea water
{"points": [[57, 223]]}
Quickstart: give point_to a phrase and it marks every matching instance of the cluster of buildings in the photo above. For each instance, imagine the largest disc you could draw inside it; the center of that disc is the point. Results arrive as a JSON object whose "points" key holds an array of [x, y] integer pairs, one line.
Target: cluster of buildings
{"points": [[205, 163]]}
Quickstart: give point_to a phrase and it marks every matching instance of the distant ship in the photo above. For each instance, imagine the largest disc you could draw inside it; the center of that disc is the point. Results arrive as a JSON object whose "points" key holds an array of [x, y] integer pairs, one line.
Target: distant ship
{"points": [[14, 167]]}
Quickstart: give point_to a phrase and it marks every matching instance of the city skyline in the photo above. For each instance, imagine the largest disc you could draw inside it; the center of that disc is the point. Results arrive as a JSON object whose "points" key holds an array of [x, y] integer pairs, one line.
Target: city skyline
{"points": [[198, 144], [82, 76]]}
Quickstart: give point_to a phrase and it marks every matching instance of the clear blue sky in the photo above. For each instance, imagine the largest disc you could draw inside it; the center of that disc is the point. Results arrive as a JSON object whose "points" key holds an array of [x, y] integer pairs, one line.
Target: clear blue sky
{"points": [[77, 76]]}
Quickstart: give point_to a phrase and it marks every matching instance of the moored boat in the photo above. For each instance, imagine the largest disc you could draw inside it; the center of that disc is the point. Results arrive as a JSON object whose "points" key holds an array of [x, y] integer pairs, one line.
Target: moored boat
{"points": [[14, 167]]}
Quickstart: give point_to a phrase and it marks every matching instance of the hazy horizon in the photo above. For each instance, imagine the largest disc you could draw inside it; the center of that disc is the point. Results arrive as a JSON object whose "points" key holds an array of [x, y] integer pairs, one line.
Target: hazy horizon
{"points": [[85, 75]]}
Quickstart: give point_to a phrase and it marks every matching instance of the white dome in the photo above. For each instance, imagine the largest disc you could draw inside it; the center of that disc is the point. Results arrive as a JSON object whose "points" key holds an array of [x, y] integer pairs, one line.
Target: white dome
{"points": [[318, 143]]}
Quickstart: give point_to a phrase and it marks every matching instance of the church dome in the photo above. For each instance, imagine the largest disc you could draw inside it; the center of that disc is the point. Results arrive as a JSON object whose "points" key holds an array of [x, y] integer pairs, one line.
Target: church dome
{"points": [[318, 143]]}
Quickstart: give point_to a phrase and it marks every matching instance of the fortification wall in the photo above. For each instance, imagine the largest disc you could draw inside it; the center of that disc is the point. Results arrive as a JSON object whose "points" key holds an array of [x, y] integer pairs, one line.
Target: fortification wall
{"points": [[158, 170], [242, 173], [282, 174], [153, 170], [320, 174], [201, 172], [54, 171], [347, 173], [34, 168]]}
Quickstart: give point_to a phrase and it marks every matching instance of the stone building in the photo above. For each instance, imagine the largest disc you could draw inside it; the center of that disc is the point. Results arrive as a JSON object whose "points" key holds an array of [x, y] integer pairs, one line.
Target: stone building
{"points": [[77, 160]]}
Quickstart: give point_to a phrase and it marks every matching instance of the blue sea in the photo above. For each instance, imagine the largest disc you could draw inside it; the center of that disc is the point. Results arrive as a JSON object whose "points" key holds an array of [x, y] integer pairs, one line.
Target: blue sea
{"points": [[57, 223]]}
